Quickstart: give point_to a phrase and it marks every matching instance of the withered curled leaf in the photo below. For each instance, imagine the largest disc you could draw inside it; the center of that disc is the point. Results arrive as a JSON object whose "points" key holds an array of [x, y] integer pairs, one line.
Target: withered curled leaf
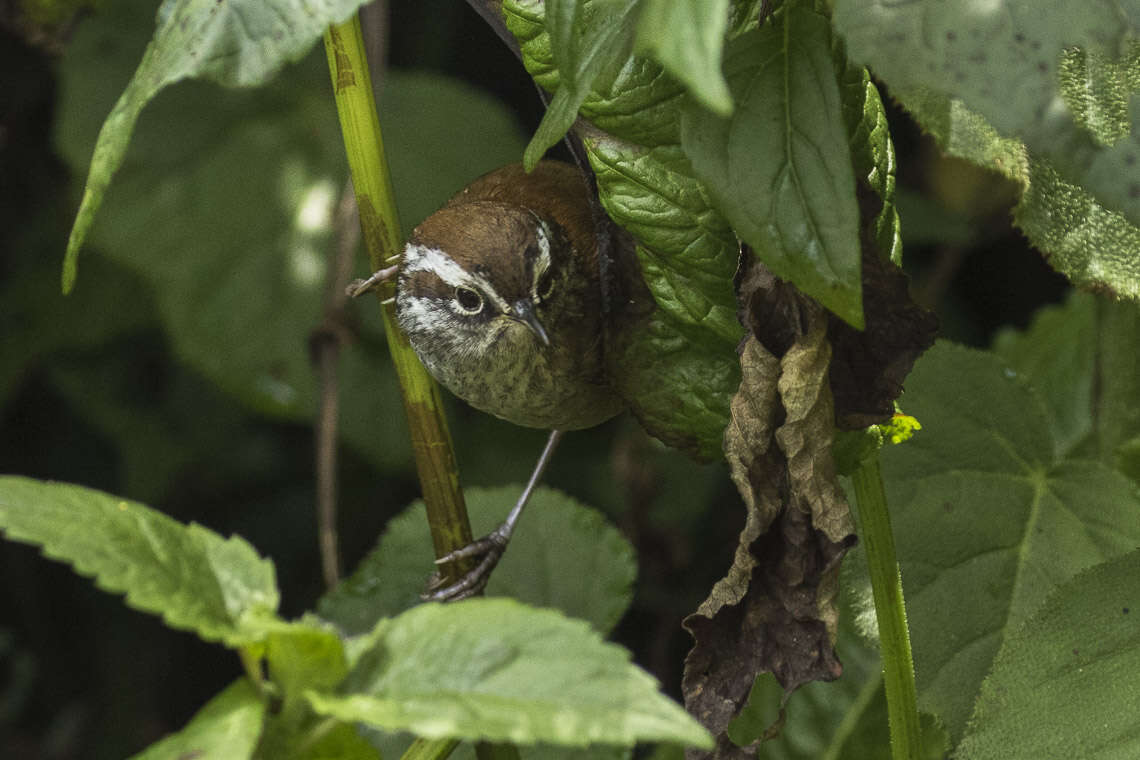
{"points": [[775, 609]]}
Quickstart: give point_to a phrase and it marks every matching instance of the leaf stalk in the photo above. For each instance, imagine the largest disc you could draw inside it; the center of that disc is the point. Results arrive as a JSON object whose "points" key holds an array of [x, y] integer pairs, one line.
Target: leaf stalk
{"points": [[890, 610]]}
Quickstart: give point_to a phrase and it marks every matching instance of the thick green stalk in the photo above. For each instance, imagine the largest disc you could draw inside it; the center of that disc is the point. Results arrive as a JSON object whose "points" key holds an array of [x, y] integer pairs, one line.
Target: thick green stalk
{"points": [[886, 585], [430, 749], [379, 222]]}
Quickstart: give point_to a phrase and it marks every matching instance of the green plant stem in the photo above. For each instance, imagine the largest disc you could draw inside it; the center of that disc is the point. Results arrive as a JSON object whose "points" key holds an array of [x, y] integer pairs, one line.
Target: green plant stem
{"points": [[430, 749], [380, 225], [886, 585]]}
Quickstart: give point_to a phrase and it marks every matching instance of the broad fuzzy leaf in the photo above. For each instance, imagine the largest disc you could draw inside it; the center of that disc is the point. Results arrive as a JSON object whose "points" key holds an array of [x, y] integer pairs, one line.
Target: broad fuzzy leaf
{"points": [[496, 669], [1083, 238], [227, 728], [1007, 61], [196, 580], [1064, 683], [565, 555], [984, 509]]}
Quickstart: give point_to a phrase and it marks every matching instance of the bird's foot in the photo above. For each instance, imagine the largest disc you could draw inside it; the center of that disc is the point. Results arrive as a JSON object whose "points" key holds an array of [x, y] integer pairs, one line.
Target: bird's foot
{"points": [[488, 550]]}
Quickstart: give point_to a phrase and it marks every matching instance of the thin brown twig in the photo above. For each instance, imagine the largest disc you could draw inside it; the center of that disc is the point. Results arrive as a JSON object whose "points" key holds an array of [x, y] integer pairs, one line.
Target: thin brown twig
{"points": [[326, 344]]}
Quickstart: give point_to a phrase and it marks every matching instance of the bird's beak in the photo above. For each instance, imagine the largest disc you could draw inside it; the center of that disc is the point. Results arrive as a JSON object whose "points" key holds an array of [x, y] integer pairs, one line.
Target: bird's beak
{"points": [[524, 312]]}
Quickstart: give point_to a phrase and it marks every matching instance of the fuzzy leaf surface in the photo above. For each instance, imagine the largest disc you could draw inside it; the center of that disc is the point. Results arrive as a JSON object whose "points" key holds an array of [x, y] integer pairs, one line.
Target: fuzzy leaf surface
{"points": [[496, 669], [226, 728], [985, 509], [1063, 684], [1008, 62], [1084, 239], [218, 588], [565, 555]]}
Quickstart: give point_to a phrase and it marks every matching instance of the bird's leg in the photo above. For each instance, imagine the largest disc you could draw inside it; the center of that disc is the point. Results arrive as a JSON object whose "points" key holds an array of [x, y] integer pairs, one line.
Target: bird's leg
{"points": [[358, 288], [490, 547]]}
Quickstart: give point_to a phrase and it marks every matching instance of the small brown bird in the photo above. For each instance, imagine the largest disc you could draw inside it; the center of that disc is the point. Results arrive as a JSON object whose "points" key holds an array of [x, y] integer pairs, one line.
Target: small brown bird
{"points": [[499, 295]]}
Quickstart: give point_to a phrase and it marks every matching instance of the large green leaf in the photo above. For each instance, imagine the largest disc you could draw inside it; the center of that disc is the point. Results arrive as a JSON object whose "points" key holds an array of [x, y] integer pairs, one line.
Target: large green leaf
{"points": [[226, 216], [1064, 684], [496, 669], [989, 518], [1014, 65], [679, 368], [780, 168], [1081, 357], [227, 728], [1084, 239], [196, 580], [240, 43], [564, 555]]}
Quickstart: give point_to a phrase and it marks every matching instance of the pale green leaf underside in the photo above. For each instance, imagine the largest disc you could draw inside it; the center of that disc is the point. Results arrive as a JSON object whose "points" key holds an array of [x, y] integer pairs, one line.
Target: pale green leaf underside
{"points": [[227, 728], [499, 670], [984, 510], [1064, 684], [196, 580], [240, 43], [1094, 247], [780, 168], [1008, 61], [565, 555]]}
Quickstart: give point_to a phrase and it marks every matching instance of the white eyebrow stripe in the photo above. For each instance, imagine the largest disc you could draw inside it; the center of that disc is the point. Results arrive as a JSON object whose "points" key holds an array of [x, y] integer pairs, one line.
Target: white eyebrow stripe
{"points": [[421, 258], [542, 236]]}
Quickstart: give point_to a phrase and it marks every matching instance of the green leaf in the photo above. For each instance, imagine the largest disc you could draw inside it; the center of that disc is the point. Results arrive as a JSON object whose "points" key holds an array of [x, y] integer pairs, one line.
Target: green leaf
{"points": [[239, 43], [780, 169], [1067, 352], [1063, 684], [395, 745], [587, 39], [1056, 356], [305, 654], [687, 38], [227, 728], [679, 368], [1092, 246], [564, 555], [236, 260], [496, 669], [872, 154], [217, 588], [988, 519], [1007, 61]]}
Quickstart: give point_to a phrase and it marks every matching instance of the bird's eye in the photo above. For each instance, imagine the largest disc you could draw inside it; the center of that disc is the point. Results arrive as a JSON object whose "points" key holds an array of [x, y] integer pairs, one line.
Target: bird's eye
{"points": [[469, 301], [545, 284]]}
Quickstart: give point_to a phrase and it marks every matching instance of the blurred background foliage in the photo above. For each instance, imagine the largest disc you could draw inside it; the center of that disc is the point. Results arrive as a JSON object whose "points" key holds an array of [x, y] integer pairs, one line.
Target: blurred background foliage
{"points": [[178, 372]]}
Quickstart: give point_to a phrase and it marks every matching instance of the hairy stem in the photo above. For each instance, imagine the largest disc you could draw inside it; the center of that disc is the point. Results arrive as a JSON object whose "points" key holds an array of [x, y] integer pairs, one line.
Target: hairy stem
{"points": [[886, 585]]}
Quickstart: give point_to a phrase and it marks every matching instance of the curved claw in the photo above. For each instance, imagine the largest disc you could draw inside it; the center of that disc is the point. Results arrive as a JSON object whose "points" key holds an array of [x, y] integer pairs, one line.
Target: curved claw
{"points": [[489, 547]]}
